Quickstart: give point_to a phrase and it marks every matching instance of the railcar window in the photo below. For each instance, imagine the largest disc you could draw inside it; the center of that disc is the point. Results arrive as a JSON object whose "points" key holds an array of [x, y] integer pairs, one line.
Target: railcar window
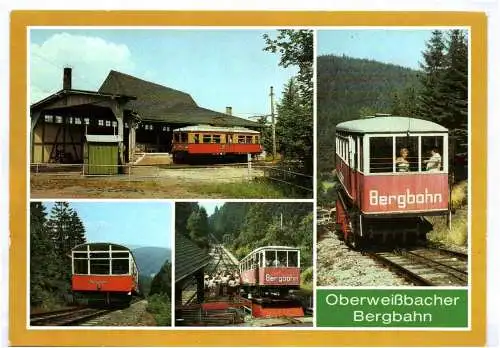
{"points": [[241, 139], [248, 139], [270, 258], [184, 137], [282, 258], [196, 138], [49, 118], [207, 138], [99, 266], [216, 138], [120, 266], [432, 153], [381, 155], [292, 259], [361, 158], [81, 266], [257, 140], [261, 259], [410, 162]]}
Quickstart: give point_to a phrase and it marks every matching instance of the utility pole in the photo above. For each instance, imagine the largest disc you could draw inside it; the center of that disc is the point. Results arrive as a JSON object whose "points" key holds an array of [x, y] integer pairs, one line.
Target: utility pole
{"points": [[273, 123]]}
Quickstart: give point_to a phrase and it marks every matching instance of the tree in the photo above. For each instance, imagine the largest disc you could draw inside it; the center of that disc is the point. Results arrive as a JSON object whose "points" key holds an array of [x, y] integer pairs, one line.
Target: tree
{"points": [[296, 48], [42, 255], [455, 87], [296, 108], [431, 99], [293, 133], [197, 227]]}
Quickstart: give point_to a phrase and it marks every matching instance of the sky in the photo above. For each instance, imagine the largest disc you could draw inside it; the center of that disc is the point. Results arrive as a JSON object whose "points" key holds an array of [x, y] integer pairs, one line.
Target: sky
{"points": [[210, 206], [132, 224], [399, 47], [218, 68]]}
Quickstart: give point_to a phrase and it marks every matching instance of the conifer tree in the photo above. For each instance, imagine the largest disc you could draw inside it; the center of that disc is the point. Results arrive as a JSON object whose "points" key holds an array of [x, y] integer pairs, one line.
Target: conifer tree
{"points": [[431, 98]]}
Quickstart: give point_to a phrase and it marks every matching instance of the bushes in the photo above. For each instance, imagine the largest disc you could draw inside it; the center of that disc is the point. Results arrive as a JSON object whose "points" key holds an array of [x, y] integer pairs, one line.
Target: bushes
{"points": [[160, 306]]}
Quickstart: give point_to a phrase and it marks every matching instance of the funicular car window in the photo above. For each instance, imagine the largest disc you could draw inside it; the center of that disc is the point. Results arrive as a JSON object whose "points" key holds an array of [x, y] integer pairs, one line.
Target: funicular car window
{"points": [[432, 153], [241, 139], [99, 266], [257, 139], [292, 259], [207, 138], [281, 258], [196, 138], [120, 266], [261, 259], [361, 160], [407, 154], [270, 258], [81, 266], [184, 137], [248, 139], [216, 138], [381, 156]]}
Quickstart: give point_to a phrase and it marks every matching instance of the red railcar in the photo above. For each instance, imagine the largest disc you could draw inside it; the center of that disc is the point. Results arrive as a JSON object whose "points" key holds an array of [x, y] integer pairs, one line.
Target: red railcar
{"points": [[104, 272], [210, 141], [271, 268], [392, 171]]}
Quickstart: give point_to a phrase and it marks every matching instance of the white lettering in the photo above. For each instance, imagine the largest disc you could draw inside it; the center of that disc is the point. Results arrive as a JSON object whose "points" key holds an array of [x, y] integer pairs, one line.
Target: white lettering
{"points": [[404, 200], [281, 279]]}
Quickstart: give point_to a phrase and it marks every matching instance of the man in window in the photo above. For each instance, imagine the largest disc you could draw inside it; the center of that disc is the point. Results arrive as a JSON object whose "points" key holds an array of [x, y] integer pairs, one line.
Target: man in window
{"points": [[434, 162]]}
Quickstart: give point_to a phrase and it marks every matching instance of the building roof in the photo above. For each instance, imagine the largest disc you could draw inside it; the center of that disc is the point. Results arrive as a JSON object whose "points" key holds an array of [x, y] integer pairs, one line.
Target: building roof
{"points": [[66, 92], [189, 258], [206, 128], [99, 138], [390, 124], [157, 103]]}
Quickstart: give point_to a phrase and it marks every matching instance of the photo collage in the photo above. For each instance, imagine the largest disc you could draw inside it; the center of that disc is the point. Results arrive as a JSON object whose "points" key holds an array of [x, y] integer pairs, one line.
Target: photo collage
{"points": [[236, 178]]}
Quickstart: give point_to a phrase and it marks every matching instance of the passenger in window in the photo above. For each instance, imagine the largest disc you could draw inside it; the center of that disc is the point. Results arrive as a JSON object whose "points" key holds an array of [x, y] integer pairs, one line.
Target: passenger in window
{"points": [[402, 164], [196, 139], [434, 162]]}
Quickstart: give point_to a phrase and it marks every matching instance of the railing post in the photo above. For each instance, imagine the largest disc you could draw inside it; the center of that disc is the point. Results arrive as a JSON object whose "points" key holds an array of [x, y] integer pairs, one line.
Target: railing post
{"points": [[249, 160]]}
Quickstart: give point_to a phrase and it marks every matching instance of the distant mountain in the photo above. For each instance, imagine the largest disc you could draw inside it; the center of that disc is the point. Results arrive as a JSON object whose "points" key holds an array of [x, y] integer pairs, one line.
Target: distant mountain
{"points": [[345, 86], [150, 259]]}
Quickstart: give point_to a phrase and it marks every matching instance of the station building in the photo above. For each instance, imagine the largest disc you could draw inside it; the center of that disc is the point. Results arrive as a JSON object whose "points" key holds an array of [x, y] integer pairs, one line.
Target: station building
{"points": [[138, 115]]}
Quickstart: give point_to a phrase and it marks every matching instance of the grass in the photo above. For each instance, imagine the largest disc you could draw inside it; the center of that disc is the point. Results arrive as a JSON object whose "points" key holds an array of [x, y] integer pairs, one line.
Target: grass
{"points": [[160, 306], [458, 233], [253, 189], [306, 280]]}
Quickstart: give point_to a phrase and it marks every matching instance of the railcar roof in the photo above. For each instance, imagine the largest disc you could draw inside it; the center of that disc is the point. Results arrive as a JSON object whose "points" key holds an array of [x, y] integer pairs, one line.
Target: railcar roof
{"points": [[390, 124], [100, 247], [207, 128], [272, 247]]}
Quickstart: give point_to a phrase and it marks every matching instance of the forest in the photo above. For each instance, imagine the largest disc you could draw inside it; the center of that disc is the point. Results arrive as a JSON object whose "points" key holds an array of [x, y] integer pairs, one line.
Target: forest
{"points": [[244, 226], [350, 88], [51, 239]]}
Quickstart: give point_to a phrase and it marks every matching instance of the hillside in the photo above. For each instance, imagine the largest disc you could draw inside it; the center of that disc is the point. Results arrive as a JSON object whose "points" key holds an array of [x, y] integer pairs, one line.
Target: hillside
{"points": [[150, 259], [348, 85]]}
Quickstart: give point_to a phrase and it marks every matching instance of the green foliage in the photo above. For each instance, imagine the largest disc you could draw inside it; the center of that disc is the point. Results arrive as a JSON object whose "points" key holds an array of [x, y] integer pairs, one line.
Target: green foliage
{"points": [[197, 227], [51, 239], [445, 85], [161, 308], [253, 225], [162, 282], [294, 127]]}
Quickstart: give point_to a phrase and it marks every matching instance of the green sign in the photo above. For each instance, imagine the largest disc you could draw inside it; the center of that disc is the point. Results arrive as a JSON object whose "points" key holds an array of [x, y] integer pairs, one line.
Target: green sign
{"points": [[392, 308]]}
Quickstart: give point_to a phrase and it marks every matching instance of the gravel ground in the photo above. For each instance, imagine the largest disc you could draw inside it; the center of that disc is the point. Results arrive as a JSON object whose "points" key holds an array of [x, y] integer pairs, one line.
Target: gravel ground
{"points": [[340, 266], [135, 315]]}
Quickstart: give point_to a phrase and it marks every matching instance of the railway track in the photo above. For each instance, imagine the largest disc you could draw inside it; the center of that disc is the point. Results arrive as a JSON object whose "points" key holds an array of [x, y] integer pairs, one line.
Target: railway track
{"points": [[427, 266], [74, 316]]}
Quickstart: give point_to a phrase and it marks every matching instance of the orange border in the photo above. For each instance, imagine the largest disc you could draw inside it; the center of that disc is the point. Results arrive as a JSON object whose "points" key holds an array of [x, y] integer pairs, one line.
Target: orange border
{"points": [[19, 335]]}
